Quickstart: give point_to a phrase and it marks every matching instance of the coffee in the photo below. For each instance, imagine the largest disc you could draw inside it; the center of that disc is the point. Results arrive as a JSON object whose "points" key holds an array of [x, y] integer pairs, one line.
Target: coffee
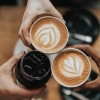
{"points": [[71, 67], [48, 34], [33, 70]]}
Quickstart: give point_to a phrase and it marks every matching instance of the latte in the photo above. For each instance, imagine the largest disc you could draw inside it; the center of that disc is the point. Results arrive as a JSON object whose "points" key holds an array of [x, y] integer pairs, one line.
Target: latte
{"points": [[71, 67], [48, 34]]}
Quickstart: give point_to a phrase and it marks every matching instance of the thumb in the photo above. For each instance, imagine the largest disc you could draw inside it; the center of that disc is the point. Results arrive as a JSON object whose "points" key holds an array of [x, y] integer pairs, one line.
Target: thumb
{"points": [[12, 61]]}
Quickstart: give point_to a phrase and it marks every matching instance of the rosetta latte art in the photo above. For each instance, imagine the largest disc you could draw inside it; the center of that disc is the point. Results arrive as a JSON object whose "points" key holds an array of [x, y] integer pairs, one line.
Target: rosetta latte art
{"points": [[73, 66], [47, 36]]}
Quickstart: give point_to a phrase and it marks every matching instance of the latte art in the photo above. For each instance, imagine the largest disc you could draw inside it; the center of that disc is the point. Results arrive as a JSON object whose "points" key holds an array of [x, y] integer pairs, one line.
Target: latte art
{"points": [[73, 67], [47, 36]]}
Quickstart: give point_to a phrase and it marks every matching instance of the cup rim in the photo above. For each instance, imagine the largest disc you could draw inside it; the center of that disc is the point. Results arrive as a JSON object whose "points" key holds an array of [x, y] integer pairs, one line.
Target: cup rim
{"points": [[33, 44], [73, 49], [30, 77]]}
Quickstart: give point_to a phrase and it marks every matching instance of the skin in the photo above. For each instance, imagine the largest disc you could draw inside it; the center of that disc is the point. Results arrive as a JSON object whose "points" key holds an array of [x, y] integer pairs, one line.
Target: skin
{"points": [[34, 8], [95, 55], [9, 90]]}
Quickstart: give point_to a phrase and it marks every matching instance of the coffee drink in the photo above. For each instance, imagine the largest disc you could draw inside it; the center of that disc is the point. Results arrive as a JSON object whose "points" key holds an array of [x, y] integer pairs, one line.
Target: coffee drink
{"points": [[71, 67], [33, 70], [48, 34]]}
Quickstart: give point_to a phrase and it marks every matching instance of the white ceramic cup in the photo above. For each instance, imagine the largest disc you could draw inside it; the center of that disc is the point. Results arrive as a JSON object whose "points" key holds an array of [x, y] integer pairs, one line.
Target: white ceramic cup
{"points": [[38, 48], [57, 78]]}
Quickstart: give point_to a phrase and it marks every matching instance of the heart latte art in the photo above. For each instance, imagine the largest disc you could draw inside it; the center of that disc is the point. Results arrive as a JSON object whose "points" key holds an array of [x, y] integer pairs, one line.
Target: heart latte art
{"points": [[49, 35], [70, 68]]}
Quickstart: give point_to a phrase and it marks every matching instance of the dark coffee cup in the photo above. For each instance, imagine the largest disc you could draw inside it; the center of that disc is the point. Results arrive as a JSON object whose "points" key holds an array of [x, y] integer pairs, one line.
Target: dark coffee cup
{"points": [[33, 70]]}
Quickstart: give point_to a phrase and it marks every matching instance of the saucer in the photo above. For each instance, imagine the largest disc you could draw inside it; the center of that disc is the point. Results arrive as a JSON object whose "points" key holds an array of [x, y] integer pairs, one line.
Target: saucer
{"points": [[19, 46], [83, 26]]}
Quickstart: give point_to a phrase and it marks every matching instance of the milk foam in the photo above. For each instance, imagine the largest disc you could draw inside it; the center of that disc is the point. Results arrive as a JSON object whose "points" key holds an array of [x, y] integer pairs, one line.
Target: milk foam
{"points": [[73, 66], [48, 36]]}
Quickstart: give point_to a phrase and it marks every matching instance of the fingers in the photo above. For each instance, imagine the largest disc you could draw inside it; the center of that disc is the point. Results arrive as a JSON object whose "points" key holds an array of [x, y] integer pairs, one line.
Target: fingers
{"points": [[28, 20], [90, 51], [22, 38], [25, 29], [93, 85], [28, 93], [24, 35], [12, 61]]}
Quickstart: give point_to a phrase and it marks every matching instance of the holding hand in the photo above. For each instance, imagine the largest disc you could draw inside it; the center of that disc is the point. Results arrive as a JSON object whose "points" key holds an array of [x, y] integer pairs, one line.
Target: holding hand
{"points": [[34, 8], [10, 90], [95, 55]]}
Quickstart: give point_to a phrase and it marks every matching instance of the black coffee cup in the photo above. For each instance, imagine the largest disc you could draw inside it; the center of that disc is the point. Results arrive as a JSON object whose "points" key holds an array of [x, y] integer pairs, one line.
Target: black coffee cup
{"points": [[33, 70]]}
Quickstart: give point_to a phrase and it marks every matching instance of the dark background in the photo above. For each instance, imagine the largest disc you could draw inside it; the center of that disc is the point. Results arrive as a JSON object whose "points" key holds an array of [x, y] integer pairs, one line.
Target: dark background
{"points": [[64, 3], [8, 2]]}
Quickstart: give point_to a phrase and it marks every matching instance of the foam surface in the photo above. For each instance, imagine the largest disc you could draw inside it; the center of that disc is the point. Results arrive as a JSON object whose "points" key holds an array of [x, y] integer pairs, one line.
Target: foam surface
{"points": [[70, 68], [73, 66], [48, 36]]}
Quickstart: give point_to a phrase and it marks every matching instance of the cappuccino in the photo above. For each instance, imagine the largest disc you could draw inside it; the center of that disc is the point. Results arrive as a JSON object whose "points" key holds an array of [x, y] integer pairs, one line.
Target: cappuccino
{"points": [[48, 34], [71, 67]]}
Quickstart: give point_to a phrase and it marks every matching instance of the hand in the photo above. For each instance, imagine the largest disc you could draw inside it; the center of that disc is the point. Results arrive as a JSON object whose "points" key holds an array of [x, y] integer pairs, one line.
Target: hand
{"points": [[95, 55], [34, 8], [10, 90]]}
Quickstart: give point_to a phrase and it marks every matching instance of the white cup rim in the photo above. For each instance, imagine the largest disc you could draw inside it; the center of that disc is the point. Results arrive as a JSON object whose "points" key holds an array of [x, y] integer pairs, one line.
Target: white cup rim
{"points": [[69, 49], [33, 44]]}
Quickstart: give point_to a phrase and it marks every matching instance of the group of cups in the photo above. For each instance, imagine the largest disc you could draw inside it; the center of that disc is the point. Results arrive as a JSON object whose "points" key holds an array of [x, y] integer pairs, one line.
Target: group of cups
{"points": [[70, 67]]}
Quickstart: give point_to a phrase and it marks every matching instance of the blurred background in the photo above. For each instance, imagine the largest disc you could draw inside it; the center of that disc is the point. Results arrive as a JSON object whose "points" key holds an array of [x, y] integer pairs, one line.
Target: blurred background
{"points": [[63, 3], [83, 22]]}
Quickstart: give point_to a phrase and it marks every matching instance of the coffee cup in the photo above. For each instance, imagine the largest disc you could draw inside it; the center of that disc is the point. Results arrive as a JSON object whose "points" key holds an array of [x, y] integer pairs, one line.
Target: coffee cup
{"points": [[33, 70], [48, 34], [71, 67]]}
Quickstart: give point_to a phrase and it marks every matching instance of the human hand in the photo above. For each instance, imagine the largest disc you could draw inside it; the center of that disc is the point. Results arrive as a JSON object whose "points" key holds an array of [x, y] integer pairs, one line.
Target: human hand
{"points": [[95, 55], [9, 90], [34, 8]]}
